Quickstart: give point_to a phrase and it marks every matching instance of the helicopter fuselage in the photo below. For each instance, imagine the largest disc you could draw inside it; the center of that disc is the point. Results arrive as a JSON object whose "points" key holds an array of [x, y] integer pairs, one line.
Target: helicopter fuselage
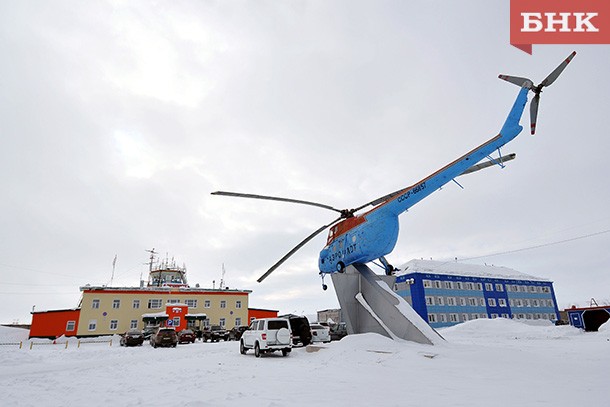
{"points": [[359, 239]]}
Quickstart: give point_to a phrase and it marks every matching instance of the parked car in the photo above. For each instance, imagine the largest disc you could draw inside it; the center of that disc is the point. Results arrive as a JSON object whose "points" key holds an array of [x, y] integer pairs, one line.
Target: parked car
{"points": [[149, 330], [301, 330], [215, 333], [236, 333], [186, 336], [338, 331], [133, 337], [319, 333], [164, 336], [267, 335]]}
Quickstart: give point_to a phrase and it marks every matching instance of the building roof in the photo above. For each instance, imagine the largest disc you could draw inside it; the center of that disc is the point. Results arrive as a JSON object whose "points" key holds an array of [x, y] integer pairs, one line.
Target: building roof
{"points": [[452, 268], [164, 289]]}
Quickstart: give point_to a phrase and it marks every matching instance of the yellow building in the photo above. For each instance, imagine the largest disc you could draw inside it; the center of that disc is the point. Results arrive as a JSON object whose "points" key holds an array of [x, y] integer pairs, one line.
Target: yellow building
{"points": [[113, 310]]}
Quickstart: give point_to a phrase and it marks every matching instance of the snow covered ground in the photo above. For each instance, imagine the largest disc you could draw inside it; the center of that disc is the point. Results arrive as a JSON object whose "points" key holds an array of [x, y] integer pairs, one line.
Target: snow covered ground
{"points": [[484, 362]]}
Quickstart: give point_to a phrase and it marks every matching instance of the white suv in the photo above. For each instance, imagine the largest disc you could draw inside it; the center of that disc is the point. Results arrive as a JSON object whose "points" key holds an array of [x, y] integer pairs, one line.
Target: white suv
{"points": [[267, 335]]}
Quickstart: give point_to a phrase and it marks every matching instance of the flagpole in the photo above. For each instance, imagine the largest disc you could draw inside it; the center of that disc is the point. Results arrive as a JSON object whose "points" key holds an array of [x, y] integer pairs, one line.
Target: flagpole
{"points": [[113, 266]]}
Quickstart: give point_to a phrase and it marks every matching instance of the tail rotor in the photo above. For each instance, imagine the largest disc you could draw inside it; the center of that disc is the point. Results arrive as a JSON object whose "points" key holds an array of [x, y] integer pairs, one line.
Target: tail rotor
{"points": [[524, 82]]}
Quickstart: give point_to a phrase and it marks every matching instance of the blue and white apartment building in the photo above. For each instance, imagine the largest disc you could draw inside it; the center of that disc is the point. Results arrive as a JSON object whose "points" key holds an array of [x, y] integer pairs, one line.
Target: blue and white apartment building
{"points": [[447, 293]]}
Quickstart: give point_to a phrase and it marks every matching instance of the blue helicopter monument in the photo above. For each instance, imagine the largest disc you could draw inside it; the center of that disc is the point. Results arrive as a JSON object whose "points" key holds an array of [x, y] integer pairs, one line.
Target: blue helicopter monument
{"points": [[357, 239]]}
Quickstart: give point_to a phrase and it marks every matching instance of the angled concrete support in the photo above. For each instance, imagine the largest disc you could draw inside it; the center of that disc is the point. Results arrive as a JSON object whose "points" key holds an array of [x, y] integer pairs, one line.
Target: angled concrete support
{"points": [[370, 305]]}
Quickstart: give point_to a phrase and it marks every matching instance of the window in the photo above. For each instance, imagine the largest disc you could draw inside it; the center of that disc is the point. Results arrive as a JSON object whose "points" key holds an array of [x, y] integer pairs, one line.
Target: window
{"points": [[451, 301], [70, 326], [448, 284], [464, 317], [442, 318], [173, 301], [114, 324], [462, 301], [527, 303], [479, 286], [472, 301], [176, 321], [191, 303], [535, 303], [154, 303], [440, 301], [95, 304], [459, 285], [437, 284], [494, 316], [237, 321], [136, 304], [489, 287], [207, 304], [222, 322], [515, 288], [429, 300], [427, 284], [133, 324], [469, 286], [453, 318], [431, 317], [92, 324], [549, 303], [502, 302], [223, 304], [238, 304], [499, 287], [482, 302], [491, 302], [546, 290], [116, 304]]}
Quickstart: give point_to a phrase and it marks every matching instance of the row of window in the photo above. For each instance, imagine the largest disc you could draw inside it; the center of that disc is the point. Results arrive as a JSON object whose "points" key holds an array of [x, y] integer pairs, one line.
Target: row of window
{"points": [[455, 318], [157, 303], [133, 324], [453, 301], [459, 285], [450, 285], [526, 302], [492, 302]]}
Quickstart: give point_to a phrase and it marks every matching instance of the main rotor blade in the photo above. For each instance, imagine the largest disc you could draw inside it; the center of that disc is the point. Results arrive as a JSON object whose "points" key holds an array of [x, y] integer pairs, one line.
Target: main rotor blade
{"points": [[297, 247], [274, 198], [534, 113], [555, 74]]}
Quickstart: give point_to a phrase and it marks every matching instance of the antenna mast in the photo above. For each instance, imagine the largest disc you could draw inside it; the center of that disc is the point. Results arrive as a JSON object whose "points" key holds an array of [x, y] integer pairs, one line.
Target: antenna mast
{"points": [[150, 263]]}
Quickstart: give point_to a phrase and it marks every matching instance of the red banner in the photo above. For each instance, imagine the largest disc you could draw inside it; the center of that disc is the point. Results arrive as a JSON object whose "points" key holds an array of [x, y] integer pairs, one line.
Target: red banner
{"points": [[559, 22]]}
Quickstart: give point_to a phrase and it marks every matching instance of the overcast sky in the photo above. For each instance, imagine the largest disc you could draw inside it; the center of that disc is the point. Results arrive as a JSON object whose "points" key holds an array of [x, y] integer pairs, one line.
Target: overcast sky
{"points": [[118, 118]]}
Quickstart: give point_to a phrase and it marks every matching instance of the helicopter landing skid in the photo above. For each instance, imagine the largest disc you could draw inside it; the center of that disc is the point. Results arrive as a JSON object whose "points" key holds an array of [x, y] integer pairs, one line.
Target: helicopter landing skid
{"points": [[324, 286]]}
